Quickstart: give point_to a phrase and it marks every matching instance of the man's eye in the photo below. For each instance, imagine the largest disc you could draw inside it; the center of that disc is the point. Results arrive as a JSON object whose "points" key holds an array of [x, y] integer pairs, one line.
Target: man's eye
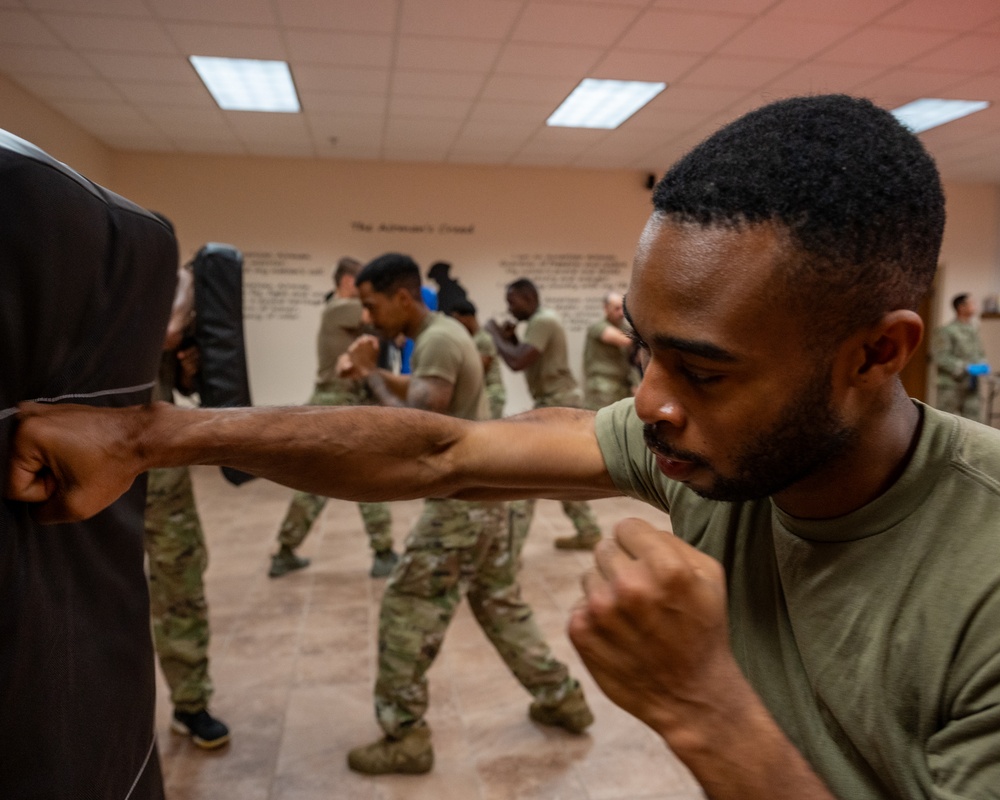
{"points": [[698, 377]]}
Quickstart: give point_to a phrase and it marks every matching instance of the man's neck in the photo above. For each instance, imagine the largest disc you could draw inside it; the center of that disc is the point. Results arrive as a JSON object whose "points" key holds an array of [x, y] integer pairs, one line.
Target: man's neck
{"points": [[881, 454], [416, 321]]}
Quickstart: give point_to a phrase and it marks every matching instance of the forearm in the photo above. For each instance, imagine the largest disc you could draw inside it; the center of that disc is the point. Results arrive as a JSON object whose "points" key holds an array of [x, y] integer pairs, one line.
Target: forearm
{"points": [[351, 453], [736, 751], [389, 389], [516, 355]]}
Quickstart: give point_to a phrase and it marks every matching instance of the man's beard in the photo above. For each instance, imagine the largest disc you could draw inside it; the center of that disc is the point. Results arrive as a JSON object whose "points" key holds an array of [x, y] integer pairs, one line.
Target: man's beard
{"points": [[807, 436]]}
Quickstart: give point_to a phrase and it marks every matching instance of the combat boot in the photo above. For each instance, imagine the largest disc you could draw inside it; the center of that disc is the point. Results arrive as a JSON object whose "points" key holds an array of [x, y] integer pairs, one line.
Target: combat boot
{"points": [[577, 542], [572, 713], [285, 561], [383, 563], [410, 755]]}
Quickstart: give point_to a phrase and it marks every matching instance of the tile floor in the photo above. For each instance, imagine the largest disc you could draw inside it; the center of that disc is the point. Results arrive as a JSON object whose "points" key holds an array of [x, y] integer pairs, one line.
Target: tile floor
{"points": [[293, 665]]}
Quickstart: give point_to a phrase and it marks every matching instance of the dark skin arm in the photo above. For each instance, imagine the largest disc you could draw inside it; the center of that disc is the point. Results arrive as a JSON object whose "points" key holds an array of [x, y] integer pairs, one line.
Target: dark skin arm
{"points": [[653, 631], [516, 355]]}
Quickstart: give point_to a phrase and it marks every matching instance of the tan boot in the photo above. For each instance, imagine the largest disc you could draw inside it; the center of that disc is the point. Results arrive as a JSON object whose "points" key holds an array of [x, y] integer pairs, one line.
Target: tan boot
{"points": [[572, 713], [577, 542], [410, 755]]}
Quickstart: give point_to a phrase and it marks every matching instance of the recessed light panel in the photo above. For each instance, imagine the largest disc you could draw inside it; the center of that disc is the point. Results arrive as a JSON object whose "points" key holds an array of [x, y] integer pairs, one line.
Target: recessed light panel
{"points": [[927, 112], [246, 84], [602, 103]]}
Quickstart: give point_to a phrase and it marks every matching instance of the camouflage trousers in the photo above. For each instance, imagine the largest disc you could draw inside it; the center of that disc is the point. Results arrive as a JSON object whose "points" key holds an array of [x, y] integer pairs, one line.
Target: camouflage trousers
{"points": [[456, 548], [305, 508], [177, 558], [600, 391], [579, 512]]}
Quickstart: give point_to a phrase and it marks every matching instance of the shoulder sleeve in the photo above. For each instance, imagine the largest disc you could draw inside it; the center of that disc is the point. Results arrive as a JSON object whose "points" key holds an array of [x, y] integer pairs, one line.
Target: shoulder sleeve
{"points": [[539, 331], [629, 462], [437, 356], [962, 754]]}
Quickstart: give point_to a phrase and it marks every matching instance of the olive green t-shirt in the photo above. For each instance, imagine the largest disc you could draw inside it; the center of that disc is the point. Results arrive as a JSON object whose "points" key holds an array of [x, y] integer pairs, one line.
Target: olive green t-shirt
{"points": [[443, 349], [873, 638], [954, 347], [496, 394], [340, 326], [549, 378], [603, 359]]}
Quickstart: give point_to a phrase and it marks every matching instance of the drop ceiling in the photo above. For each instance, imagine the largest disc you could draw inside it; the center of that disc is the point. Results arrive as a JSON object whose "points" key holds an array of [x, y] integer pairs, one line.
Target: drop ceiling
{"points": [[472, 81]]}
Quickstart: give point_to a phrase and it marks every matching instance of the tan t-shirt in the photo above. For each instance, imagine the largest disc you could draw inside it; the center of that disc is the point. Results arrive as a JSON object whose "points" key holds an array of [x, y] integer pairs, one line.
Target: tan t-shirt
{"points": [[443, 349], [549, 378], [339, 327], [873, 638]]}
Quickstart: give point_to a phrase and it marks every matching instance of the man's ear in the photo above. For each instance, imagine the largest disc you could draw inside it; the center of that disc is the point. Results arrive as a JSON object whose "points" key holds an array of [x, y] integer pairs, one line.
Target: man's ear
{"points": [[881, 351]]}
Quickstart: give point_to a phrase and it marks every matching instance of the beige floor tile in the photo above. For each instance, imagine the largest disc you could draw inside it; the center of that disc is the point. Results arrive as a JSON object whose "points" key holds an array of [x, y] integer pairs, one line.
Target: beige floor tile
{"points": [[294, 660]]}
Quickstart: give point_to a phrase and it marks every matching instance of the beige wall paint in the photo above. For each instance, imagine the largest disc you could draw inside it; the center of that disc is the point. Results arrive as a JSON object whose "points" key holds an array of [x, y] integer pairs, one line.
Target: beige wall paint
{"points": [[25, 116], [480, 219]]}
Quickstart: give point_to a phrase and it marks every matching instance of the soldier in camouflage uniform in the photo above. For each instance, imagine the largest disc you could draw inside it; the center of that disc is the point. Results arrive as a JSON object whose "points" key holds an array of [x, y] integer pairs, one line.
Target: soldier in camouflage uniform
{"points": [[956, 348], [177, 557], [608, 374], [465, 312], [456, 547], [543, 358], [341, 324]]}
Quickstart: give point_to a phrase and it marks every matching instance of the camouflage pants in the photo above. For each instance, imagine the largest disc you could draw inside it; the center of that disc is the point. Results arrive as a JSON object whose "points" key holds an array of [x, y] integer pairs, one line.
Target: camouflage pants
{"points": [[959, 399], [579, 512], [305, 508], [600, 391], [456, 548], [175, 546]]}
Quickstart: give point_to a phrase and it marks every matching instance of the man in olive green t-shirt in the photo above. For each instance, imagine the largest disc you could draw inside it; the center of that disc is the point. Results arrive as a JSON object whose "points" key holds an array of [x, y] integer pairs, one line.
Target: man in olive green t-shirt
{"points": [[825, 622], [543, 356], [607, 368], [456, 547]]}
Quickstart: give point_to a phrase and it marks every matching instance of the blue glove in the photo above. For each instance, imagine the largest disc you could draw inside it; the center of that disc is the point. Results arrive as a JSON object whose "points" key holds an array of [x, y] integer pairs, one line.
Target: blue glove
{"points": [[978, 369]]}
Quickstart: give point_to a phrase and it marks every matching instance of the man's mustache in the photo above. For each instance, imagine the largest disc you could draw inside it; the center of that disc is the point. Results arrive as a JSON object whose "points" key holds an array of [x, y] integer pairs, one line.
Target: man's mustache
{"points": [[662, 448]]}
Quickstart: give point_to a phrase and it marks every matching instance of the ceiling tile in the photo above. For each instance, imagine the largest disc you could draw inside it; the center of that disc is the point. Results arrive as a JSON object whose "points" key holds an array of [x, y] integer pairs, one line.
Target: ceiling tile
{"points": [[512, 114], [117, 8], [733, 71], [434, 107], [227, 41], [534, 90], [54, 87], [247, 12], [973, 53], [207, 146], [179, 122], [786, 38], [153, 68], [821, 79], [450, 55], [342, 49], [168, 95], [910, 83], [634, 65], [552, 23], [88, 32], [342, 80], [18, 60], [483, 19], [884, 46], [853, 12], [255, 127], [682, 32], [681, 97], [371, 16], [551, 60], [24, 28], [748, 7], [436, 84], [350, 133], [316, 102], [937, 15]]}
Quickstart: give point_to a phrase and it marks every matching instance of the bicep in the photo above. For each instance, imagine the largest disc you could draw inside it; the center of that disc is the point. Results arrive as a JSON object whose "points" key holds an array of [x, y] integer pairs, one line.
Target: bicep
{"points": [[551, 453]]}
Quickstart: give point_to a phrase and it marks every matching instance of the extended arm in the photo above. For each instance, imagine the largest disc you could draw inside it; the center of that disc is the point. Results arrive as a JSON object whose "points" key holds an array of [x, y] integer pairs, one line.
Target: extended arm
{"points": [[653, 631], [76, 460]]}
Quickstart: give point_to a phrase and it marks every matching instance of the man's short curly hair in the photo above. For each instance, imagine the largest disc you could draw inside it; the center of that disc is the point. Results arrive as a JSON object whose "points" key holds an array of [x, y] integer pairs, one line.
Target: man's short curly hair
{"points": [[391, 272], [857, 194]]}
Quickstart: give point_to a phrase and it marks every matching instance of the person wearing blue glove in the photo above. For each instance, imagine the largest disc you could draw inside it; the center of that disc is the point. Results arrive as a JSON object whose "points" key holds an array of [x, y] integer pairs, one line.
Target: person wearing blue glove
{"points": [[960, 360]]}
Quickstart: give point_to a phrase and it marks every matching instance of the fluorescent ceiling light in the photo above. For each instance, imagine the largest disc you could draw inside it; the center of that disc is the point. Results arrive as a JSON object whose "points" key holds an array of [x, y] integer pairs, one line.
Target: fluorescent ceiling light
{"points": [[246, 84], [603, 104], [926, 113]]}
